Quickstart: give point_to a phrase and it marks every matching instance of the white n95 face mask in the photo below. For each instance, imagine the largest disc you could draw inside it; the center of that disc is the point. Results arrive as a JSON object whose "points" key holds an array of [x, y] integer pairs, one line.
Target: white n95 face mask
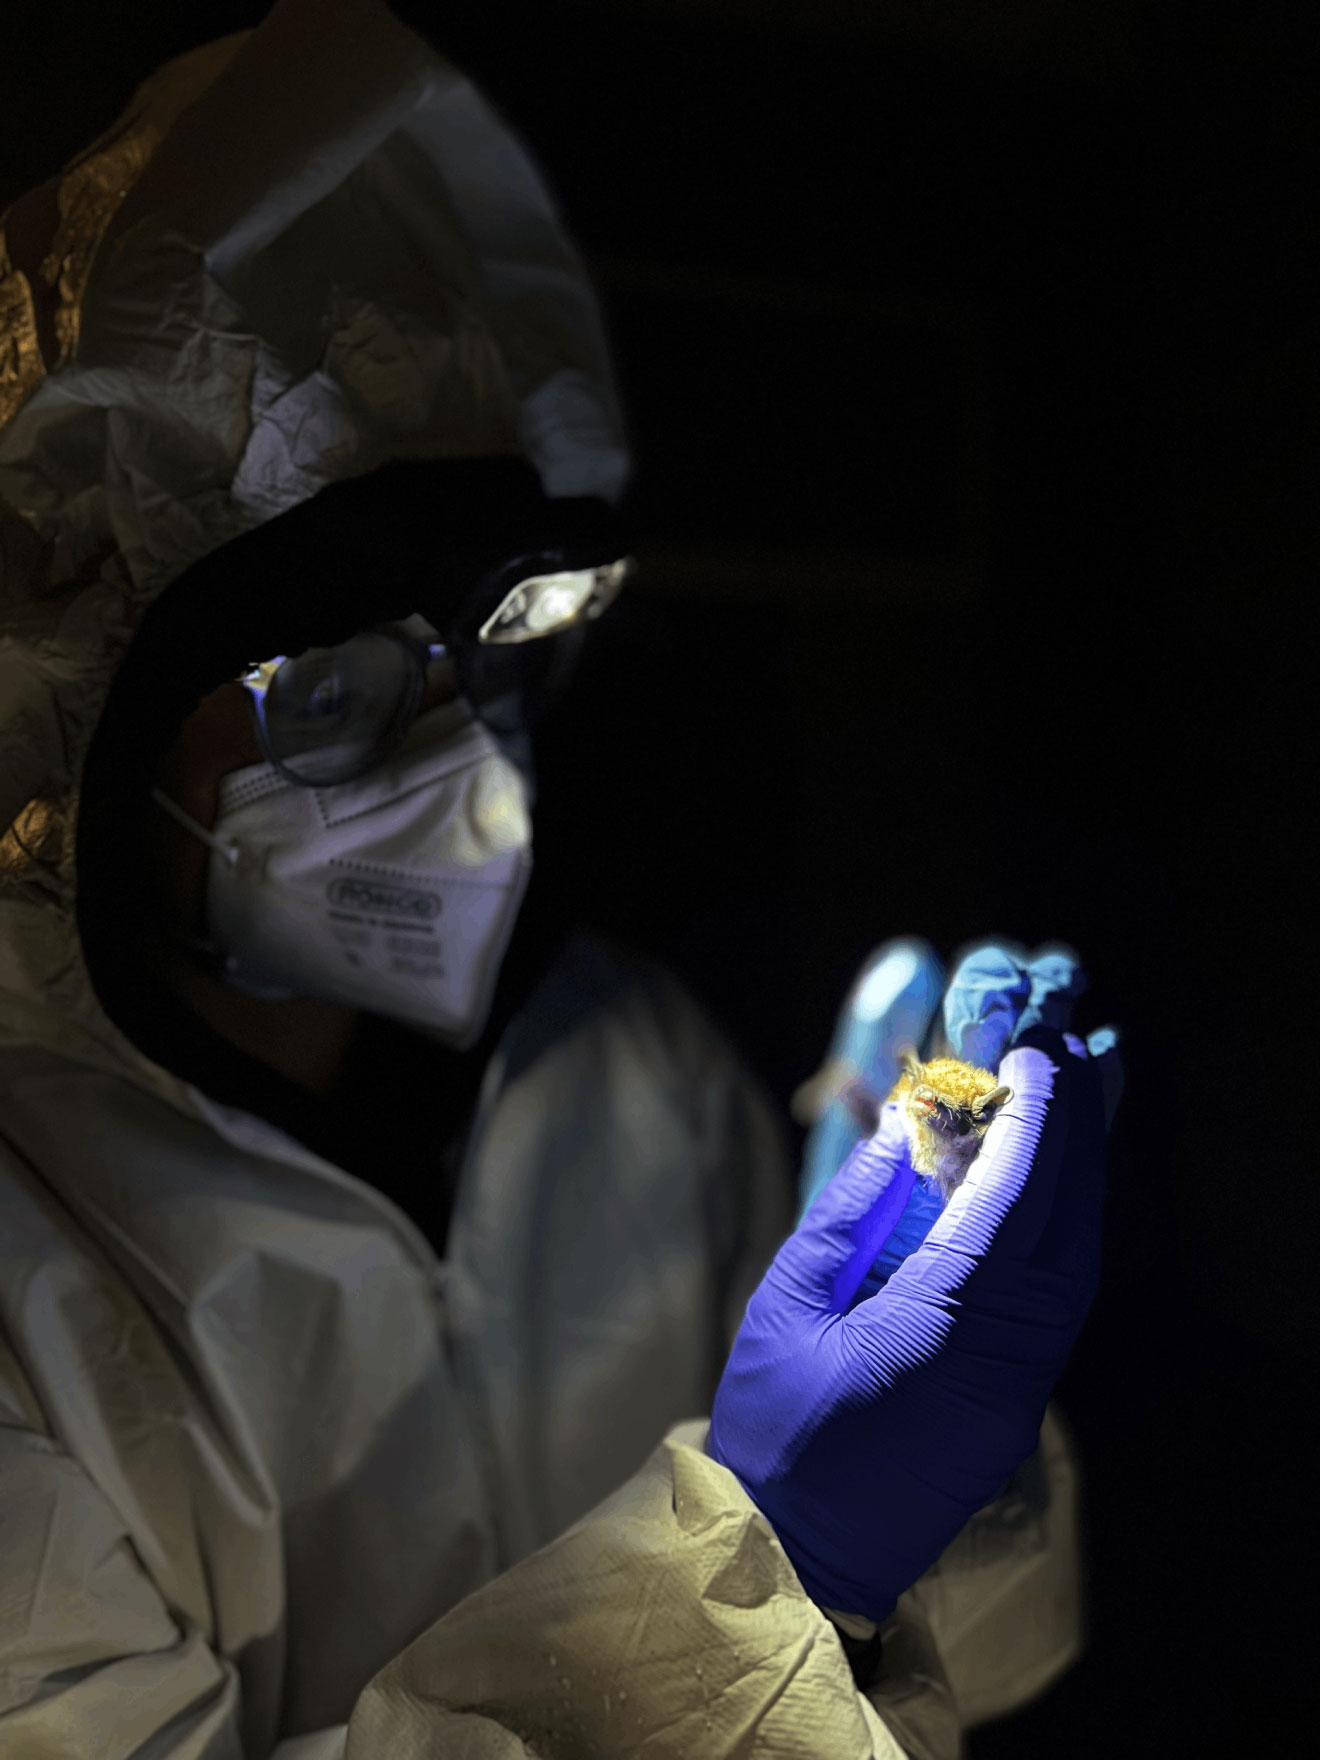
{"points": [[396, 893]]}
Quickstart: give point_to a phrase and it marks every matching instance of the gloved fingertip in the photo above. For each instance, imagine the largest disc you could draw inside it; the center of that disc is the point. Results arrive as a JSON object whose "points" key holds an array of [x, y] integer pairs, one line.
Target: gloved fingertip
{"points": [[893, 1001], [1057, 980], [984, 1002], [1102, 1040], [1075, 1045], [905, 973]]}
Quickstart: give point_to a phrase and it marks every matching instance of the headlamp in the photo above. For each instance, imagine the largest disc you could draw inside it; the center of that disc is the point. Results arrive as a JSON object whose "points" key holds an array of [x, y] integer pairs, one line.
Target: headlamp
{"points": [[544, 604]]}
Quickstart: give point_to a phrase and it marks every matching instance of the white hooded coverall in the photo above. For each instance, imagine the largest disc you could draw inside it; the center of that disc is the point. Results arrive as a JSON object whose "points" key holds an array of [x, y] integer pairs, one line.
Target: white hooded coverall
{"points": [[274, 1476]]}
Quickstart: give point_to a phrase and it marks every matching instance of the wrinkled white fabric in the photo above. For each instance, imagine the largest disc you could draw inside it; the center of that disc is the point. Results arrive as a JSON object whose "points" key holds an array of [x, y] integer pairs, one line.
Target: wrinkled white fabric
{"points": [[528, 1655], [288, 287], [256, 1439]]}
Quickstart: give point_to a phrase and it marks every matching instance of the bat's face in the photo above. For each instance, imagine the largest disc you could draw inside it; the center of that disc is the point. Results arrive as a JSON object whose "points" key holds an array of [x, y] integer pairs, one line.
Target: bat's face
{"points": [[947, 1107], [947, 1096], [938, 1112], [941, 1111]]}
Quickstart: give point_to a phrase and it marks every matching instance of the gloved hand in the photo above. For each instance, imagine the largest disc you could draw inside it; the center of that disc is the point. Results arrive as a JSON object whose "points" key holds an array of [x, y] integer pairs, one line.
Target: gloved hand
{"points": [[868, 1434]]}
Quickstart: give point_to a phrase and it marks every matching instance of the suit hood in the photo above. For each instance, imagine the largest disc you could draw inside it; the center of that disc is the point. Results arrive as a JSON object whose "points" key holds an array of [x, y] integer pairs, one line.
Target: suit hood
{"points": [[291, 263]]}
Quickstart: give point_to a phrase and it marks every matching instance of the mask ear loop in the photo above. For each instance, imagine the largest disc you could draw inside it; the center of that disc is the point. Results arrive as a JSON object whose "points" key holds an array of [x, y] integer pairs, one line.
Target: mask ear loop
{"points": [[211, 957], [225, 847]]}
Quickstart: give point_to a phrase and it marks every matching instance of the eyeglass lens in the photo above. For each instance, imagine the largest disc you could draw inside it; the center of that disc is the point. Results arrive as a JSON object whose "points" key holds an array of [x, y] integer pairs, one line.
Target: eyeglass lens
{"points": [[329, 713]]}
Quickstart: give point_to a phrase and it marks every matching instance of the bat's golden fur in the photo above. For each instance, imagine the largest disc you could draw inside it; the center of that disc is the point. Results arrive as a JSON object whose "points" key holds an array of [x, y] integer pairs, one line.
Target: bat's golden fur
{"points": [[963, 1083], [946, 1107]]}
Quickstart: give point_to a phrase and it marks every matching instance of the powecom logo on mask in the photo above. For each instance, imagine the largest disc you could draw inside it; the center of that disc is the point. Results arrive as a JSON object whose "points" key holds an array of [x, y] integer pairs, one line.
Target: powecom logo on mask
{"points": [[384, 901]]}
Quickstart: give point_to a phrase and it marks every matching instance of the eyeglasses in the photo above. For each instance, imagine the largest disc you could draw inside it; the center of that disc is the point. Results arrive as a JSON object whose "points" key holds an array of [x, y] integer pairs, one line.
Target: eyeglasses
{"points": [[329, 715]]}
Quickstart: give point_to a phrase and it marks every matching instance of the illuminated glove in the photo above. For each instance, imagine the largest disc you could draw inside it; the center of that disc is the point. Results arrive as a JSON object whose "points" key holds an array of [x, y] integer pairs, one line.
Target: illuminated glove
{"points": [[869, 1434]]}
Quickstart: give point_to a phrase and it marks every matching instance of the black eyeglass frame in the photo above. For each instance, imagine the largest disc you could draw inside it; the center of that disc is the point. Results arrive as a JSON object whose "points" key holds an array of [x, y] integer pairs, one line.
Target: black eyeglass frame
{"points": [[258, 679]]}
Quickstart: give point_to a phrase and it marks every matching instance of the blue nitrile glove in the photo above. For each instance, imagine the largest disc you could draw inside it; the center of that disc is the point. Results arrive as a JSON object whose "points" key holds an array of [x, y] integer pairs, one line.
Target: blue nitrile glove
{"points": [[868, 1435]]}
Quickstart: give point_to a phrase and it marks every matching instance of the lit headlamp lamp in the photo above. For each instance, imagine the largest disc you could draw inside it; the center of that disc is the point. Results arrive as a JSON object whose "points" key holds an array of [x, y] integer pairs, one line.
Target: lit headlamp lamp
{"points": [[544, 604]]}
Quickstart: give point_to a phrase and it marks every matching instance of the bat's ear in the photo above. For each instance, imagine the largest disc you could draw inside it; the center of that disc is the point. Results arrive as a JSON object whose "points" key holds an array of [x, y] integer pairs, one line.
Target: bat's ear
{"points": [[909, 1062], [992, 1102]]}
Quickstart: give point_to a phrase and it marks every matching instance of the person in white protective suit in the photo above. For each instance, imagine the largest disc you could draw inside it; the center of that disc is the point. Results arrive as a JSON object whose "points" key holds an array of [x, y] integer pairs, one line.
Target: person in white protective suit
{"points": [[372, 1239]]}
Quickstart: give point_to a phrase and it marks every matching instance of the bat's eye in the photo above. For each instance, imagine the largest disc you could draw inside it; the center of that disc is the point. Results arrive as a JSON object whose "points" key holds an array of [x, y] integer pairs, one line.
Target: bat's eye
{"points": [[938, 1114]]}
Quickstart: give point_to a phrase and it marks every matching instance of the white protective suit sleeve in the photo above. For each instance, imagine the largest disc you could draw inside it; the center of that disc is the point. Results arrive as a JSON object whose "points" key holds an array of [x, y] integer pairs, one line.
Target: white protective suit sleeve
{"points": [[697, 1639], [131, 1678], [322, 1744], [93, 1620]]}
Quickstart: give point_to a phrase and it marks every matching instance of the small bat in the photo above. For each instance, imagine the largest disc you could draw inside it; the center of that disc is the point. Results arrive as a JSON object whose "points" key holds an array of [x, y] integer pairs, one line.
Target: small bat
{"points": [[945, 1106]]}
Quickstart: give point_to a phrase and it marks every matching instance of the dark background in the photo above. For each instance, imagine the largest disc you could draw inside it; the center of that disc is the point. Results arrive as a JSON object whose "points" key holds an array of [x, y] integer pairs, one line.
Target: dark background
{"points": [[971, 358]]}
